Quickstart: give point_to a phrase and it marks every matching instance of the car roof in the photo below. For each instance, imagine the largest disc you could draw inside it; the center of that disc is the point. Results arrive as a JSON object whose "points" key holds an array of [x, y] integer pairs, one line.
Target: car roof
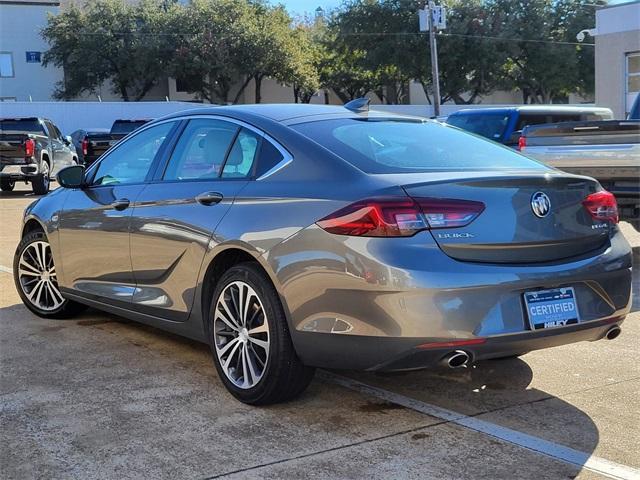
{"points": [[287, 113], [534, 109]]}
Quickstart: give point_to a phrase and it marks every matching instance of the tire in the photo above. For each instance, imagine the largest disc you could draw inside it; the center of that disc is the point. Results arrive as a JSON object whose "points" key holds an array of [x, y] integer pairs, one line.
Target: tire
{"points": [[7, 185], [40, 183], [252, 373], [32, 253]]}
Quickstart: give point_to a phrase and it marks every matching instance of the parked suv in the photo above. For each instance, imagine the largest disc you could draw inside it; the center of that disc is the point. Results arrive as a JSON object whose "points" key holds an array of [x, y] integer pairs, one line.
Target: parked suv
{"points": [[32, 150]]}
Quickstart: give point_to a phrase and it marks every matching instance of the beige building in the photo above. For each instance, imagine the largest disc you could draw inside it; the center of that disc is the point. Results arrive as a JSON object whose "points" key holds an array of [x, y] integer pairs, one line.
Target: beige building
{"points": [[617, 37]]}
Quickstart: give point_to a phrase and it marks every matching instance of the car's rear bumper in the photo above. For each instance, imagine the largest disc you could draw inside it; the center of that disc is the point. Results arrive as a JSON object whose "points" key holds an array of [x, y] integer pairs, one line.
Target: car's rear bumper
{"points": [[389, 354], [371, 305], [19, 172]]}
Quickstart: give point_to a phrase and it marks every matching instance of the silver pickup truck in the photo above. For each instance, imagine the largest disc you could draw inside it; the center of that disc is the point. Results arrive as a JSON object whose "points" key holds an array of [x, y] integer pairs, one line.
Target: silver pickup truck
{"points": [[608, 151]]}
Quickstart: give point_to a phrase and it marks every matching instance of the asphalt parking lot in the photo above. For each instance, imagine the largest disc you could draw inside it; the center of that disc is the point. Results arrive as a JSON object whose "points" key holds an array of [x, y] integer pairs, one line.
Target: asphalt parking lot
{"points": [[103, 397]]}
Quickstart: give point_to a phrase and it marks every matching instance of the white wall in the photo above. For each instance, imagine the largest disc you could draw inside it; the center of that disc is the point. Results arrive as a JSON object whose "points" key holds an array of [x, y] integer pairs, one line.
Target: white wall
{"points": [[20, 27], [70, 116]]}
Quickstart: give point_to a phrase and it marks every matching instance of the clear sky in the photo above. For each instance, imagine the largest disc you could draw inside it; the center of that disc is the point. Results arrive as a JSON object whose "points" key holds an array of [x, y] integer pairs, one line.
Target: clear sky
{"points": [[309, 6]]}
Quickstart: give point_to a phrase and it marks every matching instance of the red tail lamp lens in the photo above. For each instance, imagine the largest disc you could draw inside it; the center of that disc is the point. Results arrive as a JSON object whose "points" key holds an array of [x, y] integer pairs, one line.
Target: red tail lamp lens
{"points": [[522, 143], [85, 146], [400, 217], [602, 206], [29, 147]]}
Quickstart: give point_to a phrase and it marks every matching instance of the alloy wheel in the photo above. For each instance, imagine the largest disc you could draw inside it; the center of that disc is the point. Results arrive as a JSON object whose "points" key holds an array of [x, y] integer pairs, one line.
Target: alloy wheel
{"points": [[241, 334], [37, 277]]}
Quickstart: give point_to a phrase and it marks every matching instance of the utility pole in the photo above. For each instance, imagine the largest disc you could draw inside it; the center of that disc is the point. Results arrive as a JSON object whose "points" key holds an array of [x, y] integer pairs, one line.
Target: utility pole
{"points": [[433, 46]]}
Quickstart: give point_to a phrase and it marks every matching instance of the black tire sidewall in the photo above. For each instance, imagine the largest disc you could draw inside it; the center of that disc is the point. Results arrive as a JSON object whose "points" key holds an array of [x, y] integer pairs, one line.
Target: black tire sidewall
{"points": [[278, 330], [7, 185]]}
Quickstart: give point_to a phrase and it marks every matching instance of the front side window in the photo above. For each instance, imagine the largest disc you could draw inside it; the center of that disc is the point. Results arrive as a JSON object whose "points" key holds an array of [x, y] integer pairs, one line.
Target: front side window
{"points": [[399, 146], [131, 160], [201, 150]]}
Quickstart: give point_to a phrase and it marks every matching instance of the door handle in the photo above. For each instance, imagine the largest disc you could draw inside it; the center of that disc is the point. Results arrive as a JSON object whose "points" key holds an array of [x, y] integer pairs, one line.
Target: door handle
{"points": [[120, 204], [209, 198]]}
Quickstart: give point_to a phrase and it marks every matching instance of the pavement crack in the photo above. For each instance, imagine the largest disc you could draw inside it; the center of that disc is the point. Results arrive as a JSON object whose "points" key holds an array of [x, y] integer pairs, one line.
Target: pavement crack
{"points": [[327, 450]]}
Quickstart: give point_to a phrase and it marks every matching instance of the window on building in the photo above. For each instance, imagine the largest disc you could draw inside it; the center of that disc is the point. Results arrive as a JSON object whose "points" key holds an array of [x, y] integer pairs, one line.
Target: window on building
{"points": [[6, 64], [633, 79]]}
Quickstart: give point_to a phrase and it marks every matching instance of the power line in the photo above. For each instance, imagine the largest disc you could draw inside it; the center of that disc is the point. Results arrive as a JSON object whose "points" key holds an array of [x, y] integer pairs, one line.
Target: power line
{"points": [[360, 34]]}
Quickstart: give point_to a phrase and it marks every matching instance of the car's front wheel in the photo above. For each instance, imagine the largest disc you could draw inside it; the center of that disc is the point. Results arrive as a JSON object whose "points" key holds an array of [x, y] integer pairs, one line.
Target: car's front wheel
{"points": [[36, 279], [250, 341]]}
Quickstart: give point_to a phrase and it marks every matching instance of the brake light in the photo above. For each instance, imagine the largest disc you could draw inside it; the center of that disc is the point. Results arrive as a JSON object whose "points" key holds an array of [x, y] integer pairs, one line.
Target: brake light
{"points": [[522, 143], [602, 206], [29, 147], [399, 217], [85, 146]]}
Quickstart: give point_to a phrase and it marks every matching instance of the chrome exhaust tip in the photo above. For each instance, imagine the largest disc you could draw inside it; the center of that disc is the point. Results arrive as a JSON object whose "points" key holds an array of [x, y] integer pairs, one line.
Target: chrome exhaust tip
{"points": [[457, 359], [613, 332]]}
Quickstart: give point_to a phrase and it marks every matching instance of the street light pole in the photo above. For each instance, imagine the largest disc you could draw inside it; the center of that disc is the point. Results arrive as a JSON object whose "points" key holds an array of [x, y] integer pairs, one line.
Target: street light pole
{"points": [[433, 46]]}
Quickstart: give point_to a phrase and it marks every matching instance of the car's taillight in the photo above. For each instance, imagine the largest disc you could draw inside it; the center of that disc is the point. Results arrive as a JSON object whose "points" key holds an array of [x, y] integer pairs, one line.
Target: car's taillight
{"points": [[522, 143], [85, 146], [602, 206], [399, 217], [449, 213], [29, 147]]}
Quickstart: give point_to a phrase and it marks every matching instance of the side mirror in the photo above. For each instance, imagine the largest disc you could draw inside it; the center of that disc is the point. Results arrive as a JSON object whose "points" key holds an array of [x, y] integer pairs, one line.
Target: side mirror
{"points": [[68, 140], [71, 177]]}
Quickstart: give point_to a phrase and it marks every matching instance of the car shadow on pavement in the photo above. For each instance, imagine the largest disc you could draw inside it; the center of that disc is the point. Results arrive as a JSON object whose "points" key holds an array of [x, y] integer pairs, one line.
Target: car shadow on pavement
{"points": [[326, 415]]}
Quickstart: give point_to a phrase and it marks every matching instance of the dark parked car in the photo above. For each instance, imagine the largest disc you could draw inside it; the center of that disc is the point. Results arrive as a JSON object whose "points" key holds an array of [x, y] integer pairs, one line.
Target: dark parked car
{"points": [[92, 143], [505, 124], [32, 150], [289, 237]]}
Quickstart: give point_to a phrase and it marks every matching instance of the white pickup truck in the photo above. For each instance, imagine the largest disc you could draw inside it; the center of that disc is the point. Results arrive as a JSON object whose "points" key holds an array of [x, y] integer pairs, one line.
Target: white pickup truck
{"points": [[606, 150]]}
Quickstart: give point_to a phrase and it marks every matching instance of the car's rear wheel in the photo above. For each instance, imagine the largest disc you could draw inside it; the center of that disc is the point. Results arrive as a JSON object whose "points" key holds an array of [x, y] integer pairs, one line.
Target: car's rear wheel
{"points": [[7, 185], [250, 340], [36, 280], [40, 183]]}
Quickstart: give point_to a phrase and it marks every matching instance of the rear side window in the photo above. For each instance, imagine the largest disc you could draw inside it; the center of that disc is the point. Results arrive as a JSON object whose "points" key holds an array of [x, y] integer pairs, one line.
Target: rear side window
{"points": [[490, 126], [21, 126], [125, 127], [201, 150], [269, 157], [532, 119], [239, 163], [398, 146]]}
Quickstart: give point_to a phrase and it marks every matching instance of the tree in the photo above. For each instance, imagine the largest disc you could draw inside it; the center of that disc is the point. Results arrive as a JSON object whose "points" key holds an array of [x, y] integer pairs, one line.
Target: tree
{"points": [[110, 40], [209, 49], [542, 58]]}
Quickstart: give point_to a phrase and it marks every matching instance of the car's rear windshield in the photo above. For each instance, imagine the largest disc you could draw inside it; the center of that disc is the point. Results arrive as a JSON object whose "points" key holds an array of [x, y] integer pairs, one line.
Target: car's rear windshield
{"points": [[490, 125], [28, 125], [397, 146], [124, 127]]}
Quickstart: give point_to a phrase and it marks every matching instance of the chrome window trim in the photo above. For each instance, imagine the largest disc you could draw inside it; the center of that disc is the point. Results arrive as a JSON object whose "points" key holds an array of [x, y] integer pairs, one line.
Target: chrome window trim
{"points": [[286, 160]]}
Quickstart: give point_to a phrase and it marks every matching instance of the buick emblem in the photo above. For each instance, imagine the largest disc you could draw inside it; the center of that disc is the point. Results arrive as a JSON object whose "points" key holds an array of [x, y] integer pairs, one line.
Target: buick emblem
{"points": [[540, 204]]}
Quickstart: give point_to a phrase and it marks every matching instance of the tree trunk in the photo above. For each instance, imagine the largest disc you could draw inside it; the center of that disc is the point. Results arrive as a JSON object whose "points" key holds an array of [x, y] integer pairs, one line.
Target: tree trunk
{"points": [[258, 80], [244, 85]]}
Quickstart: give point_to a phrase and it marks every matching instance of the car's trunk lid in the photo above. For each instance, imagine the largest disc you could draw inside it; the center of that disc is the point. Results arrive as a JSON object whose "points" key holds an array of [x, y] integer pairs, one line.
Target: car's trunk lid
{"points": [[508, 230]]}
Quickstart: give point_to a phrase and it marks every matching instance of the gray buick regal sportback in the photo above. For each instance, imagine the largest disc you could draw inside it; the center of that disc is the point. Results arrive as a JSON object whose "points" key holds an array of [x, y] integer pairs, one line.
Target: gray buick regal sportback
{"points": [[289, 237]]}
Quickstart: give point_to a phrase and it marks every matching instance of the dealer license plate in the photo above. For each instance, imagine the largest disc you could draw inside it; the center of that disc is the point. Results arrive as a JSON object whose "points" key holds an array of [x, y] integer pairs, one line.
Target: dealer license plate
{"points": [[551, 308]]}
